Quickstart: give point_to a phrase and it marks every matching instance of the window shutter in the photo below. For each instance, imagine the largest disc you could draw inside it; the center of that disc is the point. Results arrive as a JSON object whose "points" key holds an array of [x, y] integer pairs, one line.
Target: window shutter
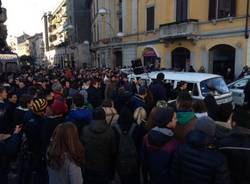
{"points": [[233, 8], [212, 9], [178, 10], [184, 10]]}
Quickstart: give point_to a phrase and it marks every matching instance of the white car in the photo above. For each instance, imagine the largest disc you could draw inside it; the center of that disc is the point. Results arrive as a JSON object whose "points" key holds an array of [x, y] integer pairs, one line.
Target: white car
{"points": [[199, 84], [237, 89]]}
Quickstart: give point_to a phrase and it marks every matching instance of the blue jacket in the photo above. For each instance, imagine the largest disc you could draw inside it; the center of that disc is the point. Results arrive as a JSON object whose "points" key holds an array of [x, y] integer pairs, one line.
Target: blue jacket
{"points": [[157, 152], [10, 147], [197, 162], [80, 117], [137, 102]]}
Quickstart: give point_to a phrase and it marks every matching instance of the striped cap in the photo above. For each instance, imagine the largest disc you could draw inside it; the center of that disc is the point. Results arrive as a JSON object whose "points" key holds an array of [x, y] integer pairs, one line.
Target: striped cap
{"points": [[39, 105]]}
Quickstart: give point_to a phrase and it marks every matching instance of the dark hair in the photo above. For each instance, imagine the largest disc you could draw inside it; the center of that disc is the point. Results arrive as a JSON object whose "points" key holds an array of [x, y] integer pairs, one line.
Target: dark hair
{"points": [[160, 76], [164, 116], [199, 106], [180, 84], [184, 101], [223, 112], [78, 100], [151, 118], [99, 114], [24, 100], [241, 117], [11, 94], [65, 139], [125, 116]]}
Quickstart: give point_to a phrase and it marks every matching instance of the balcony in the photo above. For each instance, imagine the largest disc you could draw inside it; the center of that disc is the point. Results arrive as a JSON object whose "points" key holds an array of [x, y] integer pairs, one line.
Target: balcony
{"points": [[180, 30], [3, 15]]}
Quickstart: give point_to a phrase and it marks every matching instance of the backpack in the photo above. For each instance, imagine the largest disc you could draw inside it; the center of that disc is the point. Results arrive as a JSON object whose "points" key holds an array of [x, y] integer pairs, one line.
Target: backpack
{"points": [[127, 153]]}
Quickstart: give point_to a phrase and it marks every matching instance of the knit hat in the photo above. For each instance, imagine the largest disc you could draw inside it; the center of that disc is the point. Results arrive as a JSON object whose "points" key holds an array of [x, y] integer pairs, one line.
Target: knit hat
{"points": [[58, 107], [56, 87], [39, 105], [163, 117], [206, 125]]}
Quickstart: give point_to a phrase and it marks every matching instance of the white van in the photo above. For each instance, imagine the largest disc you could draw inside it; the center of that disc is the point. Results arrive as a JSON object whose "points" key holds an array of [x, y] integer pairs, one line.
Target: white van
{"points": [[199, 84], [237, 89]]}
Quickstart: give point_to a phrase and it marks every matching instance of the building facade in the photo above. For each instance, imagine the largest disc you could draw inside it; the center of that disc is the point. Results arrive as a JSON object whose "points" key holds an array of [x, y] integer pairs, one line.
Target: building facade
{"points": [[66, 29], [36, 47], [176, 33]]}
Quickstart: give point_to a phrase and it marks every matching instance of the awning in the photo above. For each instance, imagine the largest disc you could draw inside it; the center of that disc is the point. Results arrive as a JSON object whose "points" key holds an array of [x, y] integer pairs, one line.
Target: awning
{"points": [[149, 53]]}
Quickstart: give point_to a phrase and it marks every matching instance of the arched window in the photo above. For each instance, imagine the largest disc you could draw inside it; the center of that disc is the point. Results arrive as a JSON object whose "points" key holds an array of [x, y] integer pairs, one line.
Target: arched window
{"points": [[222, 9]]}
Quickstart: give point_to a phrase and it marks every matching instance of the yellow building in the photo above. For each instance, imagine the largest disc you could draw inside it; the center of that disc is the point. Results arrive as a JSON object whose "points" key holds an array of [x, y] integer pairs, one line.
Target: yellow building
{"points": [[176, 33]]}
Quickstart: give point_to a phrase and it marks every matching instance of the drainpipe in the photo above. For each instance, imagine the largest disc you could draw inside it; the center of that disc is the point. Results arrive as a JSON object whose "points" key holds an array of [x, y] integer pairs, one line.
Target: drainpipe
{"points": [[247, 17]]}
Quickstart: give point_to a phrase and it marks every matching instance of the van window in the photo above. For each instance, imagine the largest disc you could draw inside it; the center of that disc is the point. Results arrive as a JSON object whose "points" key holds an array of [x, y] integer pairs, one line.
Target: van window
{"points": [[215, 85], [11, 67]]}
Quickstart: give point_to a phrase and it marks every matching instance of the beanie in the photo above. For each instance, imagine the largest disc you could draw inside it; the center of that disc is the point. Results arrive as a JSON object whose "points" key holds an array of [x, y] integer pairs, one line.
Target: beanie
{"points": [[57, 87], [163, 117], [58, 107], [39, 105]]}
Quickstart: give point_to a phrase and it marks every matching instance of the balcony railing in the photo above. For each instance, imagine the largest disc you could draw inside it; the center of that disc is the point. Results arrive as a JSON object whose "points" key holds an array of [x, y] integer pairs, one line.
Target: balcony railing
{"points": [[3, 15], [179, 30]]}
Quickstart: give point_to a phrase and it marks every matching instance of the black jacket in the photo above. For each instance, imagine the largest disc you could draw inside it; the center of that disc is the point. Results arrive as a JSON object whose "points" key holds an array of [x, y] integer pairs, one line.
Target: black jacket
{"points": [[236, 147], [158, 90], [10, 146], [95, 96], [197, 163], [100, 148], [10, 108]]}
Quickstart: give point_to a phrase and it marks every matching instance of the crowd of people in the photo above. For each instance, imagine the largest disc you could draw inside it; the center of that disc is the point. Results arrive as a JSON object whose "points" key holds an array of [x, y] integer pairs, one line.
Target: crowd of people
{"points": [[94, 126]]}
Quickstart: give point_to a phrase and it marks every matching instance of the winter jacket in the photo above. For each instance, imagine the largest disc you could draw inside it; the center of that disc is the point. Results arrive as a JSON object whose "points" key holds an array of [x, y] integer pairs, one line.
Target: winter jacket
{"points": [[222, 129], [137, 101], [157, 152], [186, 122], [49, 125], [236, 147], [19, 115], [70, 173], [158, 90], [10, 146], [10, 108], [100, 149], [3, 118], [80, 117], [95, 96], [198, 163]]}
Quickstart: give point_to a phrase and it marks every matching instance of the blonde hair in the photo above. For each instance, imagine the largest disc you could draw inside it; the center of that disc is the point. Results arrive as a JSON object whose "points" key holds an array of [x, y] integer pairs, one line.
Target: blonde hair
{"points": [[140, 115]]}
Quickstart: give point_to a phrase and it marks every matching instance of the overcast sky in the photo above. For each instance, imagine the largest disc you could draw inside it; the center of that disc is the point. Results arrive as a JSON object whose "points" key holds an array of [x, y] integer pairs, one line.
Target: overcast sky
{"points": [[25, 15]]}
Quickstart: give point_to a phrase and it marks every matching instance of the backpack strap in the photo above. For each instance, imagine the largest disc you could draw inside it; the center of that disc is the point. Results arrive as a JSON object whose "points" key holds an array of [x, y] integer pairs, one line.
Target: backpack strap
{"points": [[132, 128]]}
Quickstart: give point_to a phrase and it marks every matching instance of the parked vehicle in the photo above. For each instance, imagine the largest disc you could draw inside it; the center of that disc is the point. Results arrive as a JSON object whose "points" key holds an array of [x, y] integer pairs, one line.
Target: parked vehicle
{"points": [[237, 89], [199, 84], [9, 63]]}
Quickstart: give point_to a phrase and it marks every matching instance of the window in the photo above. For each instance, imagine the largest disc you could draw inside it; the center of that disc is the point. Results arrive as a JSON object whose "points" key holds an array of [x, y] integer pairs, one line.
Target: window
{"points": [[150, 18], [120, 16], [222, 9], [241, 84], [181, 10]]}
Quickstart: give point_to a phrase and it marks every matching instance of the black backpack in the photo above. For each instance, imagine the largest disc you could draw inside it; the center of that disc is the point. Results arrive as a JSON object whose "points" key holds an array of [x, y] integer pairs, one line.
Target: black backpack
{"points": [[127, 153]]}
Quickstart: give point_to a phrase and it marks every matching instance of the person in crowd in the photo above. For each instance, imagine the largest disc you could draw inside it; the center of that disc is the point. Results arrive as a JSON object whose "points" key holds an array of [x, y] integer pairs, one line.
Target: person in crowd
{"points": [[50, 123], [36, 166], [8, 147], [50, 99], [10, 108], [236, 147], [202, 70], [128, 141], [95, 96], [222, 117], [25, 105], [79, 115], [212, 106], [111, 113], [186, 119], [152, 118], [85, 87], [244, 72], [199, 108], [159, 146], [198, 161], [3, 109], [229, 76], [247, 95], [58, 95], [100, 150], [110, 88], [22, 89], [123, 98], [138, 100], [65, 156], [158, 89], [191, 69], [181, 87]]}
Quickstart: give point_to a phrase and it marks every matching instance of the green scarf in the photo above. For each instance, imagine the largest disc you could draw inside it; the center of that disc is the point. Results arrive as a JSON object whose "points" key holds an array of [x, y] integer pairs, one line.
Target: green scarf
{"points": [[184, 117]]}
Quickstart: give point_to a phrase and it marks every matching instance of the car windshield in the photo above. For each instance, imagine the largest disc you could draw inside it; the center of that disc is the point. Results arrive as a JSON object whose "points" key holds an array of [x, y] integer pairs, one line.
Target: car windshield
{"points": [[217, 86]]}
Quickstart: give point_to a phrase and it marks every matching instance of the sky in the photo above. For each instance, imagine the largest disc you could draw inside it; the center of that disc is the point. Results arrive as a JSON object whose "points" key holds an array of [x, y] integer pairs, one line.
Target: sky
{"points": [[26, 15]]}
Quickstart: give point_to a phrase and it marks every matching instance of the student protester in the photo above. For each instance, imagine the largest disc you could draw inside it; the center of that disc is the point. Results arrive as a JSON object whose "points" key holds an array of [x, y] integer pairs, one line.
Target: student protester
{"points": [[236, 147], [65, 156]]}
